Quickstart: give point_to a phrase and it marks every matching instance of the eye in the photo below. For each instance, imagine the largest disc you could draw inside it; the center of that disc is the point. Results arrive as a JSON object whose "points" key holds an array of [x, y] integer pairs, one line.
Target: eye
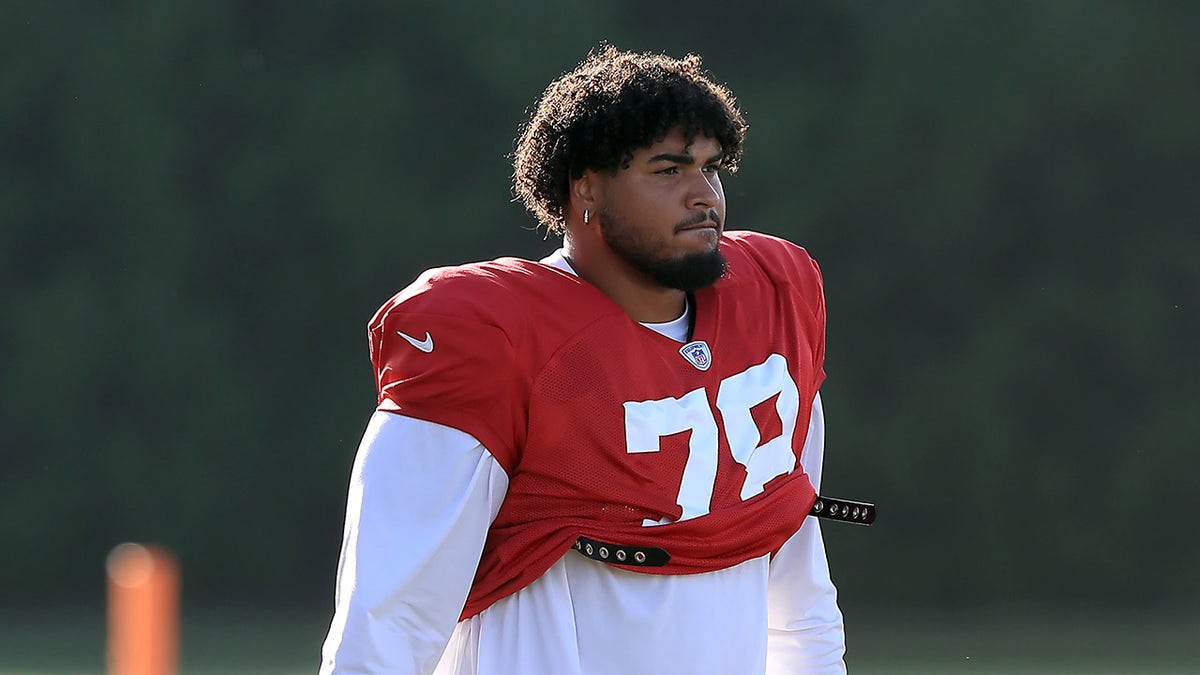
{"points": [[669, 171], [712, 169]]}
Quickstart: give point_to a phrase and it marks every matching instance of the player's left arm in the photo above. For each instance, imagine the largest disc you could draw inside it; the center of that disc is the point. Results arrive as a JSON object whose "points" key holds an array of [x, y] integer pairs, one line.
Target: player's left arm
{"points": [[804, 623]]}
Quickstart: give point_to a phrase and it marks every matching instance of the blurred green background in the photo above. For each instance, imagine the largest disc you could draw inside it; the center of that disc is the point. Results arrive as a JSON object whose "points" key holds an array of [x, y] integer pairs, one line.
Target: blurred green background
{"points": [[202, 202]]}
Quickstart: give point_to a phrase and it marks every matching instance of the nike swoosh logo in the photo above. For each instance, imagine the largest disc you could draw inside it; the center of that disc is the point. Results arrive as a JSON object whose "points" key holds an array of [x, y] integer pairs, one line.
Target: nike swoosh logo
{"points": [[425, 345]]}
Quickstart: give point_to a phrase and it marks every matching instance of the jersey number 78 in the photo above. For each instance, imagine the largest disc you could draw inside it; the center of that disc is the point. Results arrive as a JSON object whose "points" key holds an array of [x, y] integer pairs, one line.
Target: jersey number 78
{"points": [[647, 421]]}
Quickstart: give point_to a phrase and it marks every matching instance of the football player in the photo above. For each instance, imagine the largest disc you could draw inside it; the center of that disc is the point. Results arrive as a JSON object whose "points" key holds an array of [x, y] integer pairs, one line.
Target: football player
{"points": [[602, 462]]}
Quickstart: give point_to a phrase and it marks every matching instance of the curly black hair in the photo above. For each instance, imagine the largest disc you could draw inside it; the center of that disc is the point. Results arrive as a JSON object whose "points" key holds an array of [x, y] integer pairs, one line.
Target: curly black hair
{"points": [[613, 103]]}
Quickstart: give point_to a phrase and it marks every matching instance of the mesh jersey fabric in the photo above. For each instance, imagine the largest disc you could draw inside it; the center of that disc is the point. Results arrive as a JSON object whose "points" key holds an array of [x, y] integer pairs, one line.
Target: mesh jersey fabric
{"points": [[605, 429]]}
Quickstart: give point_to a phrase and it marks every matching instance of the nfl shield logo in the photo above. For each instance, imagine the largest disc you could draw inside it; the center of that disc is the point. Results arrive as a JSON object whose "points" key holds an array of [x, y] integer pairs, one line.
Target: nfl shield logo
{"points": [[697, 354]]}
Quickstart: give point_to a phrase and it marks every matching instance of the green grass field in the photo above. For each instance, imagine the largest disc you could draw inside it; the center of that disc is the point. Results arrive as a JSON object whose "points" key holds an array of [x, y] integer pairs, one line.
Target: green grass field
{"points": [[286, 643]]}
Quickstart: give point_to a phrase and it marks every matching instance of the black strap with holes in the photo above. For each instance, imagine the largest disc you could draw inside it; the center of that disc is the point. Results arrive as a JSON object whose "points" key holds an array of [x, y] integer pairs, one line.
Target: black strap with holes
{"points": [[829, 508]]}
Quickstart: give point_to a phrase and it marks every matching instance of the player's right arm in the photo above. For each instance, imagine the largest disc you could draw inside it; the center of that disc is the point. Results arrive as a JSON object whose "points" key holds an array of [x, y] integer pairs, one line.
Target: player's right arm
{"points": [[430, 474], [422, 496]]}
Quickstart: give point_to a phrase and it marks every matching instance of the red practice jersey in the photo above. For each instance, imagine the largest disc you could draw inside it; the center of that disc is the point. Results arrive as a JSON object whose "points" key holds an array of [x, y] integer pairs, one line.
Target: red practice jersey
{"points": [[606, 428]]}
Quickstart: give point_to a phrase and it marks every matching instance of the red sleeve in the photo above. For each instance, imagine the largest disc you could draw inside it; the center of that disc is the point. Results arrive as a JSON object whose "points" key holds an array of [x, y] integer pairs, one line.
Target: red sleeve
{"points": [[818, 337], [787, 264], [460, 371]]}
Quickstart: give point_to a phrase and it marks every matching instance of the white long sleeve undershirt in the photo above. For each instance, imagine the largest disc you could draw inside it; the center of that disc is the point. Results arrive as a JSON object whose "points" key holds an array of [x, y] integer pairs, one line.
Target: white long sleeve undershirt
{"points": [[421, 500]]}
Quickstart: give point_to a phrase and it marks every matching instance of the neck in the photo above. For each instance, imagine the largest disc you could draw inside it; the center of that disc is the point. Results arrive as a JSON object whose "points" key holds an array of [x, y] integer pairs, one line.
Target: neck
{"points": [[642, 299]]}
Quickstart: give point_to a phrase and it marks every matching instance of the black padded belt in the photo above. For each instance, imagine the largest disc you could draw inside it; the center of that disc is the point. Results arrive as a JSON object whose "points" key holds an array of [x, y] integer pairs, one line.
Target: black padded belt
{"points": [[841, 510], [637, 556], [844, 510]]}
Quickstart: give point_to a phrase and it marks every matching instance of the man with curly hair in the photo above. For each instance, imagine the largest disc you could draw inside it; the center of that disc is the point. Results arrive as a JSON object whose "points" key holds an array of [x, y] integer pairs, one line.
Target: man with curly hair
{"points": [[605, 461]]}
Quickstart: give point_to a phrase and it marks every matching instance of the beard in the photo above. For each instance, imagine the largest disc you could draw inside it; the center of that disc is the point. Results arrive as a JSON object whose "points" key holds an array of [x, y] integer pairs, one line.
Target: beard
{"points": [[687, 273]]}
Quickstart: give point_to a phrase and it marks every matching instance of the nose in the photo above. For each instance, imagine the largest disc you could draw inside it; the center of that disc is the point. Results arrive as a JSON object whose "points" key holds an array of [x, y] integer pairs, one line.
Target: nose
{"points": [[704, 191]]}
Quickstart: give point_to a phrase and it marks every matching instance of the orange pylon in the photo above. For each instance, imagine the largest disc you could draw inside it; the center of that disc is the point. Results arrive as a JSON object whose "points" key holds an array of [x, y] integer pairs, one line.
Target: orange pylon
{"points": [[143, 611]]}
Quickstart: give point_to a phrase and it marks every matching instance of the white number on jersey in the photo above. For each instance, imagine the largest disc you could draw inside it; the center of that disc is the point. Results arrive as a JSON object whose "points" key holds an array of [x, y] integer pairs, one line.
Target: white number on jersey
{"points": [[647, 421]]}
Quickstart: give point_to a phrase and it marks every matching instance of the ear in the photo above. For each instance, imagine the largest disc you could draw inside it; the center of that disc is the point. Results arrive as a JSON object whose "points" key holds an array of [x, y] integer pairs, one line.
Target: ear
{"points": [[585, 192]]}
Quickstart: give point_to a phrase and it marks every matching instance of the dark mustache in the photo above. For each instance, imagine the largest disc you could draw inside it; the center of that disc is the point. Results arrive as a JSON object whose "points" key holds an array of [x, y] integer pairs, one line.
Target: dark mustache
{"points": [[701, 217]]}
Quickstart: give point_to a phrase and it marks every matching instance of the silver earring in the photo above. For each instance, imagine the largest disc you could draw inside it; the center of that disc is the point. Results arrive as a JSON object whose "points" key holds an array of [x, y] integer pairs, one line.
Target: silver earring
{"points": [[585, 216]]}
